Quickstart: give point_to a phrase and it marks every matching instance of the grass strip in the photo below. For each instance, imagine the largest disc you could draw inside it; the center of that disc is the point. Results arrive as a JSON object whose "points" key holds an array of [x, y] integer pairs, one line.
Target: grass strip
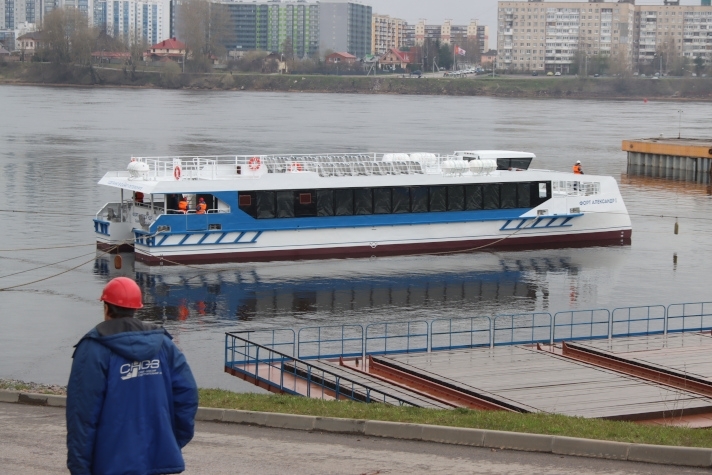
{"points": [[549, 424]]}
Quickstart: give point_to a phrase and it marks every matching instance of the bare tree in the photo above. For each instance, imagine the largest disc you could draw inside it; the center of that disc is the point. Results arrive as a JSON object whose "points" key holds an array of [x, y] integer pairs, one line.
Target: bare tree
{"points": [[67, 37], [203, 26]]}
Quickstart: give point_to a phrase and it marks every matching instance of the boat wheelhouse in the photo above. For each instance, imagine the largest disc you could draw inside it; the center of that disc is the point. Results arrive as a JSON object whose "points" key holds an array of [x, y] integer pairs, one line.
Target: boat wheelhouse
{"points": [[272, 207]]}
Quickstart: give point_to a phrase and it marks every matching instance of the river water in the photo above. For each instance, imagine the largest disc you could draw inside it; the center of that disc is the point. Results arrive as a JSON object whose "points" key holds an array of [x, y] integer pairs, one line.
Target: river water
{"points": [[56, 143]]}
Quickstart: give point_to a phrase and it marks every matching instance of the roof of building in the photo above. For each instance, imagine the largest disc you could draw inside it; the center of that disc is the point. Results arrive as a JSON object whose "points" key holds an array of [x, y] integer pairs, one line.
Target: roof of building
{"points": [[170, 43], [33, 35], [4, 51], [404, 56], [343, 55]]}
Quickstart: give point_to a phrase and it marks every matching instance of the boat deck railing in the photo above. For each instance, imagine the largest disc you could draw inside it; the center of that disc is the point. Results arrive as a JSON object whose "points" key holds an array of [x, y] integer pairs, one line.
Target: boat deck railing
{"points": [[246, 166], [359, 341]]}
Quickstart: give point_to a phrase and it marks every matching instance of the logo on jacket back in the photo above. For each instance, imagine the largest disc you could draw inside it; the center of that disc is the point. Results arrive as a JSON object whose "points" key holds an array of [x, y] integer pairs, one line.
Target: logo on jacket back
{"points": [[140, 368]]}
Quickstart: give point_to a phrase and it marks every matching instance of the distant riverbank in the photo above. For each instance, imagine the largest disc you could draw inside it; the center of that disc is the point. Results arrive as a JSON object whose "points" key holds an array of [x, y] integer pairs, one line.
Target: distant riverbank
{"points": [[517, 86]]}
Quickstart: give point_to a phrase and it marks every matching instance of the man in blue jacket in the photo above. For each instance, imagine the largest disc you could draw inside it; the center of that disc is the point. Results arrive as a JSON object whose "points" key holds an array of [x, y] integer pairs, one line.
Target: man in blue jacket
{"points": [[131, 397]]}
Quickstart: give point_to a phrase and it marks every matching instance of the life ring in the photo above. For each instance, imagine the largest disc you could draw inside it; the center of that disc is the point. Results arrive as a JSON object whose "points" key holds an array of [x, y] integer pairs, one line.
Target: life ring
{"points": [[295, 167], [255, 163], [176, 172]]}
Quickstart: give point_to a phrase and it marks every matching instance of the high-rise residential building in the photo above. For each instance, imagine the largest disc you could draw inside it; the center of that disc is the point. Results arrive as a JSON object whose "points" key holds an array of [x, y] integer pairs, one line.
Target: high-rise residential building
{"points": [[449, 33], [345, 27], [16, 13], [134, 21], [386, 33], [553, 36]]}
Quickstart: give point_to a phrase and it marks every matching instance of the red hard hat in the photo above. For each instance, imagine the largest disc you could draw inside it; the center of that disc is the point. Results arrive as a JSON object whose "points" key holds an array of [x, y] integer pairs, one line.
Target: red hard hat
{"points": [[122, 292]]}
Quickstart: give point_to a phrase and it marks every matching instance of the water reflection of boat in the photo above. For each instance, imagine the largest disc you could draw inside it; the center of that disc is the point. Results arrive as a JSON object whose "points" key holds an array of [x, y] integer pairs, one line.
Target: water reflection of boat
{"points": [[326, 290]]}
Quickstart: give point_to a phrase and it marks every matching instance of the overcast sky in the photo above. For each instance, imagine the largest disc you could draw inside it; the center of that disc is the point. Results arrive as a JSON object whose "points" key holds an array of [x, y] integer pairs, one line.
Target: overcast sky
{"points": [[459, 11]]}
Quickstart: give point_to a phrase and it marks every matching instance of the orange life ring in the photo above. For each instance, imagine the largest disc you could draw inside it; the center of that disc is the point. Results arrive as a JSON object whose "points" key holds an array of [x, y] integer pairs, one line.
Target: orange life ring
{"points": [[295, 167], [176, 172], [255, 163]]}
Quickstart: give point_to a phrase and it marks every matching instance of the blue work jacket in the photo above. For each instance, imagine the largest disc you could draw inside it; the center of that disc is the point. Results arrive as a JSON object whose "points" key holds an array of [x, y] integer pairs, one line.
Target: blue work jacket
{"points": [[131, 401]]}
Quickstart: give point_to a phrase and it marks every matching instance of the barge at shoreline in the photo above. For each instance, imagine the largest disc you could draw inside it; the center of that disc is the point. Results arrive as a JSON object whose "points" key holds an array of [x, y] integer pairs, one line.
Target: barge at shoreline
{"points": [[273, 207]]}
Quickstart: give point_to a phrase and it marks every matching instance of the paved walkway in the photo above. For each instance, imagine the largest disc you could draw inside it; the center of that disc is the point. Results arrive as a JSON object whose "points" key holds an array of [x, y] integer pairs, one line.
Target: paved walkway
{"points": [[32, 441]]}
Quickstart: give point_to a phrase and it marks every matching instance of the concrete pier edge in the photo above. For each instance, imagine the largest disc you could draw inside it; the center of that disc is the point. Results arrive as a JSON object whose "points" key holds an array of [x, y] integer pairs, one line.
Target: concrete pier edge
{"points": [[552, 444]]}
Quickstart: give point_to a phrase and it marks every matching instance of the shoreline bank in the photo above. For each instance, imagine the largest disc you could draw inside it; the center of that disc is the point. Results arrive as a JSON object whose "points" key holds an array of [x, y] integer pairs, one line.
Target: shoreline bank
{"points": [[522, 87]]}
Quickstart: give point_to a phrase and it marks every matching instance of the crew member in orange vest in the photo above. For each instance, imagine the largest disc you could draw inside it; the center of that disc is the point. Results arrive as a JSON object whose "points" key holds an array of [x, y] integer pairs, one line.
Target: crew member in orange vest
{"points": [[577, 168], [202, 207], [183, 204]]}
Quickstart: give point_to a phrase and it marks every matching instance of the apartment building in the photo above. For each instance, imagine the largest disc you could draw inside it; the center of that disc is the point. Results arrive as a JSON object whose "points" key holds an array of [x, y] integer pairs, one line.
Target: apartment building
{"points": [[536, 35], [345, 26], [387, 33], [134, 21], [448, 33]]}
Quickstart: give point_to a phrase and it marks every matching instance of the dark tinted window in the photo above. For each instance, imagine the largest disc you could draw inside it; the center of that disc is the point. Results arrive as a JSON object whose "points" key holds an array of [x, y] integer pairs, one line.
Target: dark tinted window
{"points": [[455, 198], [473, 197], [265, 204], [285, 204], [524, 195], [343, 202], [419, 197], [508, 196], [491, 196], [363, 201], [247, 202], [325, 202], [401, 200], [304, 203], [382, 201], [438, 198]]}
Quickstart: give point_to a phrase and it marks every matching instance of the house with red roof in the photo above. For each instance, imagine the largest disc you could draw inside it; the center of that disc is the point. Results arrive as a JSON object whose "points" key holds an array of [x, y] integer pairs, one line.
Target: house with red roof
{"points": [[339, 58], [170, 49], [395, 58]]}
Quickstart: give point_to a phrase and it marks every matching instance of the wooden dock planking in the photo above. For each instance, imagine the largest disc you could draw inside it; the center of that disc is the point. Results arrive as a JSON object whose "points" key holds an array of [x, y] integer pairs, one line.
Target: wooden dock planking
{"points": [[682, 353], [549, 383]]}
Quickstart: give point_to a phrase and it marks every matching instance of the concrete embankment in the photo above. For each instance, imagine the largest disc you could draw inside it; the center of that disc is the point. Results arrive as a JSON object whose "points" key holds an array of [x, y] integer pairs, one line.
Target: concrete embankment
{"points": [[550, 444], [696, 89]]}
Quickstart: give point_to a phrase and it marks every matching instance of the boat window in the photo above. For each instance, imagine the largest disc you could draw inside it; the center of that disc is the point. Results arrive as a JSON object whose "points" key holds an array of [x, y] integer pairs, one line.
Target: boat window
{"points": [[514, 163], [473, 197], [343, 202], [455, 198], [285, 204], [524, 195], [363, 201], [304, 203], [382, 201], [508, 195], [438, 198], [265, 204], [401, 200], [419, 197], [491, 196], [325, 202]]}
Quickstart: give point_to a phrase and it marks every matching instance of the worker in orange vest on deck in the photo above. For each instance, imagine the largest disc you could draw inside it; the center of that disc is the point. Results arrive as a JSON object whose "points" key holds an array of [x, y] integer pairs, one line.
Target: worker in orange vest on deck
{"points": [[577, 168], [202, 207], [183, 204]]}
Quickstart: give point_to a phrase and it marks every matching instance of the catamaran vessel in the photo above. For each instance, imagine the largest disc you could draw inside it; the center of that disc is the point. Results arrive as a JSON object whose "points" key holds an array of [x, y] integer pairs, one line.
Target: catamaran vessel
{"points": [[287, 207]]}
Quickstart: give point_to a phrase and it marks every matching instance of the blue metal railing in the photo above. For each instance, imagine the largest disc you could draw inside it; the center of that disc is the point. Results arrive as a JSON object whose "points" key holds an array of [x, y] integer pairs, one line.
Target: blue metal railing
{"points": [[396, 337], [640, 320], [689, 316], [330, 341], [454, 333], [291, 375], [470, 332], [581, 324], [522, 328]]}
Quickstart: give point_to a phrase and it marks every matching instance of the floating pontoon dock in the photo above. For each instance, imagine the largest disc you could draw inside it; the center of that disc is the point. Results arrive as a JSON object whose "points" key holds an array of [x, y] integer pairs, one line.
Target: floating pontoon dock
{"points": [[680, 159], [648, 364]]}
